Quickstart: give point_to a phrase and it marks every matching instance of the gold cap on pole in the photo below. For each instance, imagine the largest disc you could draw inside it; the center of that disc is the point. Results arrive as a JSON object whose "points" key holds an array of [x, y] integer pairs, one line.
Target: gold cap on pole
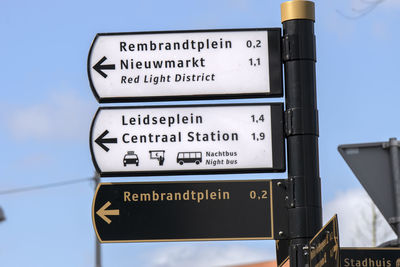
{"points": [[297, 9]]}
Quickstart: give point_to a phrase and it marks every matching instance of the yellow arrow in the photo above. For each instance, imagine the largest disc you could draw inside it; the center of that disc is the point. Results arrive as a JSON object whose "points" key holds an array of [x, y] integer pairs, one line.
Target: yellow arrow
{"points": [[103, 212]]}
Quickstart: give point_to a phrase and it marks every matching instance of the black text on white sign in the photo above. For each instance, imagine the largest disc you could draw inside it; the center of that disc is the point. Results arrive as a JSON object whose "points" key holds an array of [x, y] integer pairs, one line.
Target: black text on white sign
{"points": [[209, 64], [158, 140]]}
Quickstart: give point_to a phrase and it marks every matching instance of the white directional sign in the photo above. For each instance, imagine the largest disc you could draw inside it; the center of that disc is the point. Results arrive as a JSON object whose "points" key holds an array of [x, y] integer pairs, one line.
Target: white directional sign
{"points": [[157, 140], [185, 65]]}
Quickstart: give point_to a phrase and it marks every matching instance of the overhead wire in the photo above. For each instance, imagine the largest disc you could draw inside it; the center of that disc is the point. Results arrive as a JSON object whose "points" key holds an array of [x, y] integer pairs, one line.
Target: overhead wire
{"points": [[45, 186]]}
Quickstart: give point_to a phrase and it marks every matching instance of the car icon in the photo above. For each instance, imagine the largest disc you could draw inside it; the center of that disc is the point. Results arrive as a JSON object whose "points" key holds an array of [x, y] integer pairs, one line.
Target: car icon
{"points": [[131, 158]]}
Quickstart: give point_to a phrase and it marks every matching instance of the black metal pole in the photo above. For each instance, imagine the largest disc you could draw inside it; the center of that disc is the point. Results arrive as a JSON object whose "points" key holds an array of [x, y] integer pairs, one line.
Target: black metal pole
{"points": [[395, 165], [97, 244], [301, 119]]}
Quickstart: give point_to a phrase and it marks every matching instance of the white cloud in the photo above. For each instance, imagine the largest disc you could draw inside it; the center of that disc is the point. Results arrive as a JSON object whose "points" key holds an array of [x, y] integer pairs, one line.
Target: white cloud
{"points": [[362, 6], [341, 28], [200, 256], [62, 115], [355, 212], [34, 160], [392, 3], [242, 5], [380, 30]]}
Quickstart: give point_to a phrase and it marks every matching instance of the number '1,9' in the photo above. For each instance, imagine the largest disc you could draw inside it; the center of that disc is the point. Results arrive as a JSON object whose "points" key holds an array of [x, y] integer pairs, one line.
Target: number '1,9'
{"points": [[258, 137]]}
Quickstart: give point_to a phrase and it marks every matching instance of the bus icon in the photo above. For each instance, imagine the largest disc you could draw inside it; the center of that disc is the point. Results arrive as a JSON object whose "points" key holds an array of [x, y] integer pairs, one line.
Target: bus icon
{"points": [[189, 157]]}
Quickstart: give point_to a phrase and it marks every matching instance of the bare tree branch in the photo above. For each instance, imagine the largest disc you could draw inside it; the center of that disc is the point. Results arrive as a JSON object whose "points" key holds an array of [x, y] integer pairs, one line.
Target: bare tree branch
{"points": [[360, 12]]}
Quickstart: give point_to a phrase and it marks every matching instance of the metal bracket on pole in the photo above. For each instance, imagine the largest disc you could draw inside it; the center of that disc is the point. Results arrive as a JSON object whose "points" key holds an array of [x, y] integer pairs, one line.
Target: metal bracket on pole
{"points": [[392, 142], [295, 46], [301, 121], [394, 220]]}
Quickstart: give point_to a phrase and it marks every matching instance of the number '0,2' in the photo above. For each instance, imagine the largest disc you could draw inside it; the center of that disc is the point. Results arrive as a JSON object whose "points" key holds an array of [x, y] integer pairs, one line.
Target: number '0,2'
{"points": [[253, 44]]}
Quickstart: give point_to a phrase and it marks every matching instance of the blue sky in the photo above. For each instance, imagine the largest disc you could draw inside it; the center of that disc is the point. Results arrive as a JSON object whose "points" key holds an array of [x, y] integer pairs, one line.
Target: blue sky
{"points": [[47, 106]]}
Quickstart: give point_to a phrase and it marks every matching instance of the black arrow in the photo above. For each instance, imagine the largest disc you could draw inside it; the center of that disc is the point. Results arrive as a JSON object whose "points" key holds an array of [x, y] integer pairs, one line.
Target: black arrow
{"points": [[101, 140], [99, 68]]}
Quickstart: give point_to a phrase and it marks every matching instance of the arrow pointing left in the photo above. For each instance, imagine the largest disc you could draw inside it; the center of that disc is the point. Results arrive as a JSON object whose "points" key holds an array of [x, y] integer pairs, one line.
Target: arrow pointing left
{"points": [[101, 140], [99, 67], [103, 212]]}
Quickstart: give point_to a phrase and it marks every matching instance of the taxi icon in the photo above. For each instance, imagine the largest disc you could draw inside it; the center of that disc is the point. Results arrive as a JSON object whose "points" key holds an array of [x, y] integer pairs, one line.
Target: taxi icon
{"points": [[131, 158]]}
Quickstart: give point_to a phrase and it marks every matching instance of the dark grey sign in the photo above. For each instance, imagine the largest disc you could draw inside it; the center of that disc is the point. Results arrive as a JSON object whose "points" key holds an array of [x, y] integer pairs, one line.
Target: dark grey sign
{"points": [[371, 164], [188, 211]]}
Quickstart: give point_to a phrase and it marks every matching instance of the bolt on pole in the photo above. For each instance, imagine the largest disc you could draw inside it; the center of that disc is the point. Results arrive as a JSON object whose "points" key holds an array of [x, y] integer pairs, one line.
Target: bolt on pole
{"points": [[301, 127]]}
